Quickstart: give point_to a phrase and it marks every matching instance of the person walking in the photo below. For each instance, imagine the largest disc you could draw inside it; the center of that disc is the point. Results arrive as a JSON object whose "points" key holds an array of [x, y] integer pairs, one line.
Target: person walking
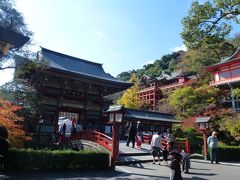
{"points": [[212, 142], [156, 146], [132, 134]]}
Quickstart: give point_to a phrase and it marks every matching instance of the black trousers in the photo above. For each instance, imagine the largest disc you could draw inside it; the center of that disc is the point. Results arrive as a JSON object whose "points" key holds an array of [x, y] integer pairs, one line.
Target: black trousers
{"points": [[214, 155], [131, 138]]}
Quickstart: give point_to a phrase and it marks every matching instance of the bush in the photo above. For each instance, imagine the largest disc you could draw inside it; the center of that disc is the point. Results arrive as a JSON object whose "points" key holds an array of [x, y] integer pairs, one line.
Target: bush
{"points": [[228, 153], [28, 159]]}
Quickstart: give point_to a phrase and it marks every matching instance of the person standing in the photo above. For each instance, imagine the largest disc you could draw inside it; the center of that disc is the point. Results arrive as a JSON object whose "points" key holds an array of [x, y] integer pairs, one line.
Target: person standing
{"points": [[132, 134], [64, 127], [175, 173], [126, 130], [170, 139], [212, 142], [140, 129], [79, 128], [156, 146]]}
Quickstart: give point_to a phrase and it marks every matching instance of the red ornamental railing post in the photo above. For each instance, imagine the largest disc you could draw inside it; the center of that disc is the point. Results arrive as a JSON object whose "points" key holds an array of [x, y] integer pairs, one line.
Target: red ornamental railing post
{"points": [[115, 145], [205, 143], [187, 145]]}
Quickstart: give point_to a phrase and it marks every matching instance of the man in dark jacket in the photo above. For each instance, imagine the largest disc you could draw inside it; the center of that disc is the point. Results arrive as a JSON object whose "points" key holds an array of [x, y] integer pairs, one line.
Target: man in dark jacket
{"points": [[132, 134], [175, 166]]}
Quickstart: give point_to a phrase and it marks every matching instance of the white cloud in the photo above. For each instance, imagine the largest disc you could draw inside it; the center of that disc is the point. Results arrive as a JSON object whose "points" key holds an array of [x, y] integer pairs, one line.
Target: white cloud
{"points": [[6, 76], [98, 34], [178, 48]]}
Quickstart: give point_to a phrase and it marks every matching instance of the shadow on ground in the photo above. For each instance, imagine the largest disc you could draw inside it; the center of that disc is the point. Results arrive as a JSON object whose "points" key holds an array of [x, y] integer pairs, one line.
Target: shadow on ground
{"points": [[40, 175]]}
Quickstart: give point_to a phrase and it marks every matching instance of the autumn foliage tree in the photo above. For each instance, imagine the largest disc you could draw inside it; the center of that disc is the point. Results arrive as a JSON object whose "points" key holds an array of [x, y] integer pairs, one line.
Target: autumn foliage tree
{"points": [[13, 123], [130, 98], [189, 101]]}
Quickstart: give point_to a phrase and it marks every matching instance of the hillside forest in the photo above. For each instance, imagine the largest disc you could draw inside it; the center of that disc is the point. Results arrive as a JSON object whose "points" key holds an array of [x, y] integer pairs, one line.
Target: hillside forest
{"points": [[206, 34]]}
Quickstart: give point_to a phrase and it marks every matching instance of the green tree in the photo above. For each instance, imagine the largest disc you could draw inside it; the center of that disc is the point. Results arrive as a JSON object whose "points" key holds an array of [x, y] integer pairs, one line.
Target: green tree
{"points": [[195, 60], [208, 21], [189, 101], [130, 97], [231, 124], [166, 63], [235, 40], [12, 19], [125, 76]]}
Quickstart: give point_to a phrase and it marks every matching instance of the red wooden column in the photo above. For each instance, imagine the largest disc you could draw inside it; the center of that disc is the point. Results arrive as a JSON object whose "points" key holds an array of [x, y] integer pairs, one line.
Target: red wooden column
{"points": [[115, 113], [115, 147], [204, 142], [187, 146]]}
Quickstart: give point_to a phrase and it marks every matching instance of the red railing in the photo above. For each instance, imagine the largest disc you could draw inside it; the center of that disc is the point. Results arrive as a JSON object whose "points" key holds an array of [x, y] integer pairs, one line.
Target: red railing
{"points": [[178, 145], [147, 138], [171, 85], [94, 136], [226, 80]]}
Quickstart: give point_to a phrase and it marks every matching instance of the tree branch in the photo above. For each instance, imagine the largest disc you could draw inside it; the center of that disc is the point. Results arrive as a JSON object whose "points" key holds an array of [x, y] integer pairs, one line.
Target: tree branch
{"points": [[7, 67], [223, 15]]}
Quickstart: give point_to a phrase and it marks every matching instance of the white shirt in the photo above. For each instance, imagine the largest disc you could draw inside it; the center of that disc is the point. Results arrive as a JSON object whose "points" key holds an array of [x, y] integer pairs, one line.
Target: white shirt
{"points": [[156, 141]]}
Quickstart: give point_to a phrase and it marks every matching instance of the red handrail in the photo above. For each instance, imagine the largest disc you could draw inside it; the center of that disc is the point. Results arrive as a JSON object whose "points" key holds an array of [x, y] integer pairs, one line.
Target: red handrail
{"points": [[178, 145], [165, 143], [94, 136]]}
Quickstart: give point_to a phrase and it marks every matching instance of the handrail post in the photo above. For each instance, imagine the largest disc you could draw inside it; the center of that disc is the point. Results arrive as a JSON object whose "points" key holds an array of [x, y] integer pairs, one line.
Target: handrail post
{"points": [[115, 146], [187, 145]]}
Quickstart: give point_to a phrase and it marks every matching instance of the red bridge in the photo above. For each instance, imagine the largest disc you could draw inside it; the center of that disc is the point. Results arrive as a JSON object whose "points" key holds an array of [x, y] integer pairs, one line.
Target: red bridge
{"points": [[108, 143]]}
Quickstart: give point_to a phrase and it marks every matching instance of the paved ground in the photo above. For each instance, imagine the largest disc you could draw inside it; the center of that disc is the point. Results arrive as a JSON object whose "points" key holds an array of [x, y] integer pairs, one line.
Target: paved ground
{"points": [[200, 170], [125, 149]]}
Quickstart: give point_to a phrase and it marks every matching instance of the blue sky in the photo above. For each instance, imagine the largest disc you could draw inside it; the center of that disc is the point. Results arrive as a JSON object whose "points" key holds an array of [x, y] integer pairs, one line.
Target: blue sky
{"points": [[120, 34]]}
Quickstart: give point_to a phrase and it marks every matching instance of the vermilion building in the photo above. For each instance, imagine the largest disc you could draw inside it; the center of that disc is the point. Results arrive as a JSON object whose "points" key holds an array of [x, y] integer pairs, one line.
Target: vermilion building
{"points": [[226, 76], [151, 89]]}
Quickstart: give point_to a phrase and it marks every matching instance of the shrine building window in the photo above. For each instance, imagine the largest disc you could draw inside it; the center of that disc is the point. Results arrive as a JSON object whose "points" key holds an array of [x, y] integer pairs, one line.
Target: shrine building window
{"points": [[224, 75], [235, 72]]}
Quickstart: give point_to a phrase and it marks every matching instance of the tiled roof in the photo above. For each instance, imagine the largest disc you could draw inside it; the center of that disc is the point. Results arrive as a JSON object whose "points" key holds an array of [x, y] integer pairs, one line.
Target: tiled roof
{"points": [[13, 38], [149, 115], [234, 57], [169, 76], [202, 119], [115, 108], [79, 66]]}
